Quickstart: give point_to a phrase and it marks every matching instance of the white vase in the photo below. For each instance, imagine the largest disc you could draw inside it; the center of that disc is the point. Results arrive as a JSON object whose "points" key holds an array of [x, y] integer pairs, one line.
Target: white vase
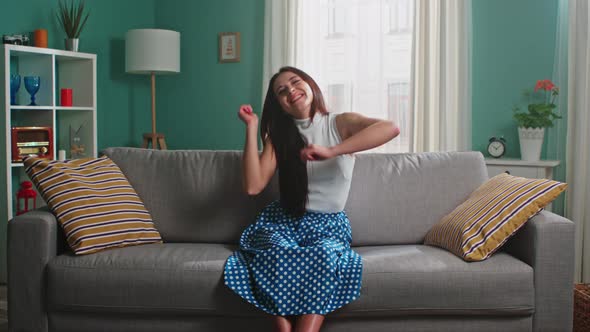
{"points": [[531, 141]]}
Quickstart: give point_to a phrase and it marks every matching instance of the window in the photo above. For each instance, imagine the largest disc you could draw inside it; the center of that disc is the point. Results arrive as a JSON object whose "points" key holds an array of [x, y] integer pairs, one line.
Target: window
{"points": [[399, 18], [337, 97], [360, 53], [337, 17]]}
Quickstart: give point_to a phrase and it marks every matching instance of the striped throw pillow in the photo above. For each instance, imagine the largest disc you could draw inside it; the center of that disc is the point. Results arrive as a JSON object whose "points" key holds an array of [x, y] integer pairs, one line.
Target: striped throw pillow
{"points": [[93, 202], [491, 214]]}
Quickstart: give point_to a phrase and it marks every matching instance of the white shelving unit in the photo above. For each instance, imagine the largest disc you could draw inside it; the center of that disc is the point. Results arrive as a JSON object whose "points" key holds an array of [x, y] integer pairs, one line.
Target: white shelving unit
{"points": [[57, 69], [540, 169]]}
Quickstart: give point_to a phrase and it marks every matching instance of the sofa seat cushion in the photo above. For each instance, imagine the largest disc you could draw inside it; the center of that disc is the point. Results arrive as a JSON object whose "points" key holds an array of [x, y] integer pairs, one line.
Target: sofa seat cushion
{"points": [[425, 280], [182, 278], [169, 278]]}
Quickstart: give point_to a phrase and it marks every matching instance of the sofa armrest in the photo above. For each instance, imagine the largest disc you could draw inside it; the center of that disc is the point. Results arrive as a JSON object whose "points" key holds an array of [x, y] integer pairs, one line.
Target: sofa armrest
{"points": [[33, 239], [546, 243]]}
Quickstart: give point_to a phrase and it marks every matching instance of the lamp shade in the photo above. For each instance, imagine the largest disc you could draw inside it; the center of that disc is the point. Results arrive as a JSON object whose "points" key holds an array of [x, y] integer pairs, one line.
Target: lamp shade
{"points": [[152, 51]]}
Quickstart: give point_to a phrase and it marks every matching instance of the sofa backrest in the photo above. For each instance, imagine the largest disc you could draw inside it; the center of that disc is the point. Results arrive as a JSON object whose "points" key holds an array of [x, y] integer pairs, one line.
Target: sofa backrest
{"points": [[396, 198], [197, 196]]}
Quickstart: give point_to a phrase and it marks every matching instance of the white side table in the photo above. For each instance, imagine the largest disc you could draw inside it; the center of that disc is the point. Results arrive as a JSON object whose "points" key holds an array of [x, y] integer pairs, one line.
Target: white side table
{"points": [[542, 169]]}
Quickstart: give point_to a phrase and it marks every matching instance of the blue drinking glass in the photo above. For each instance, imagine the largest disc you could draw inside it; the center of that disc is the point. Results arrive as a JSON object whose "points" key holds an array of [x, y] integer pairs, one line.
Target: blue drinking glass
{"points": [[32, 84], [14, 86]]}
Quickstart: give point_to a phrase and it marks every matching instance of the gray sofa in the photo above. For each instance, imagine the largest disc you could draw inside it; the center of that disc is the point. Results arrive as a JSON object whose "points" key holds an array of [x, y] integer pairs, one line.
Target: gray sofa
{"points": [[197, 204]]}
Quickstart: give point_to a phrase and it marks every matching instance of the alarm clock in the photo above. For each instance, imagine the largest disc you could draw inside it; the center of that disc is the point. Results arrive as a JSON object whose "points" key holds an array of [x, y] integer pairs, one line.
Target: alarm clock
{"points": [[497, 147]]}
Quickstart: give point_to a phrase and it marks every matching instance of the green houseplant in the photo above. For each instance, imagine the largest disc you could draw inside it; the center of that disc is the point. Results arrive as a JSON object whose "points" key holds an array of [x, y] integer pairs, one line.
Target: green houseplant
{"points": [[541, 107], [72, 18], [540, 115]]}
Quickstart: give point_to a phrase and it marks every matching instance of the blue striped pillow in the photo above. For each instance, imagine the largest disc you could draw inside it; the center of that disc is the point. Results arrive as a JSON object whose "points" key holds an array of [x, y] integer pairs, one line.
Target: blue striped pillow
{"points": [[93, 202]]}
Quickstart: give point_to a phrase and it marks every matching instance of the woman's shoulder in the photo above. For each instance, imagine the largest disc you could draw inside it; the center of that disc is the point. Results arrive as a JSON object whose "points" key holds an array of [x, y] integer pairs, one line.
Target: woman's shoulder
{"points": [[325, 117]]}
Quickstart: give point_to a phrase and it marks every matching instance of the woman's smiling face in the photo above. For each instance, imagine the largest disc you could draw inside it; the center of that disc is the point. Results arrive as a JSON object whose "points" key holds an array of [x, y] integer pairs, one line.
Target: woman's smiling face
{"points": [[294, 94]]}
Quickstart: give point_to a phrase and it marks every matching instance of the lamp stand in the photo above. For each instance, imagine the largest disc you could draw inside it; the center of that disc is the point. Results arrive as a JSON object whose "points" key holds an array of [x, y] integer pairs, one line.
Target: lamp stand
{"points": [[155, 138]]}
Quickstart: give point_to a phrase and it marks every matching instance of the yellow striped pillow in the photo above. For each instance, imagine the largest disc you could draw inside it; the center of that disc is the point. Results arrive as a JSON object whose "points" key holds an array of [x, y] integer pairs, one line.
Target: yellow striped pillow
{"points": [[491, 214], [93, 202]]}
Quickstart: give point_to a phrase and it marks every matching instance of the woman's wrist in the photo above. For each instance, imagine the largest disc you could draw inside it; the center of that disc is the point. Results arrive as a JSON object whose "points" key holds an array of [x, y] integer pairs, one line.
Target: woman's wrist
{"points": [[336, 150], [252, 126]]}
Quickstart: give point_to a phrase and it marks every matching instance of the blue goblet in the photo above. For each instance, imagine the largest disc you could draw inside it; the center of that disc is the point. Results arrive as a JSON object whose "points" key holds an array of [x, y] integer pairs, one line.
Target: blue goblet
{"points": [[14, 86], [32, 84]]}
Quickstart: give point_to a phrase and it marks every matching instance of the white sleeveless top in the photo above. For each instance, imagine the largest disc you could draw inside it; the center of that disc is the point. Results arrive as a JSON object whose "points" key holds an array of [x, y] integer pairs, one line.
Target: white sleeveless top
{"points": [[328, 180]]}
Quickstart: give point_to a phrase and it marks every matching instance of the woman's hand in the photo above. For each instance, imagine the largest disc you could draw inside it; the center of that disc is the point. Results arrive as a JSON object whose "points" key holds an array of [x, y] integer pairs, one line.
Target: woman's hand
{"points": [[247, 116], [314, 152]]}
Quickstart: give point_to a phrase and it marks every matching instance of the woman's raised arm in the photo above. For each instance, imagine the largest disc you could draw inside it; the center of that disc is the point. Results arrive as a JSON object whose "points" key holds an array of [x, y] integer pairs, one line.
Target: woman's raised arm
{"points": [[257, 168]]}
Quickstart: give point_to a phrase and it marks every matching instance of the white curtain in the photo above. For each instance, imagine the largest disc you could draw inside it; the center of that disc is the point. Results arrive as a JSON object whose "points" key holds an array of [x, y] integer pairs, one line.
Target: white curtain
{"points": [[578, 149], [281, 37], [557, 135], [441, 76]]}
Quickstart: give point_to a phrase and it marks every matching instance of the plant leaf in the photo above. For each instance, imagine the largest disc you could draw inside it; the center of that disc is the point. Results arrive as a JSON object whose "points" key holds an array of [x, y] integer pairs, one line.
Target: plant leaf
{"points": [[82, 26], [72, 17]]}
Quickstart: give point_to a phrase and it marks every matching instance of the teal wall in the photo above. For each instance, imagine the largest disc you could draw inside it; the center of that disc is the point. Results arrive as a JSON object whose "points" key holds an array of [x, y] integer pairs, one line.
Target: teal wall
{"points": [[121, 97], [197, 109], [513, 47]]}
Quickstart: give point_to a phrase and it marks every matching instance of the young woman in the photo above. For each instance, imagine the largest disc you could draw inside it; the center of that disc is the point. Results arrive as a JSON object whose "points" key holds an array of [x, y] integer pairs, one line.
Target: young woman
{"points": [[295, 261]]}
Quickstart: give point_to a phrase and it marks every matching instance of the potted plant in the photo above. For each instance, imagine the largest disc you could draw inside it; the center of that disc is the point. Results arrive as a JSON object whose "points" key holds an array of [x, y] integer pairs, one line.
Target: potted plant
{"points": [[540, 115], [72, 19]]}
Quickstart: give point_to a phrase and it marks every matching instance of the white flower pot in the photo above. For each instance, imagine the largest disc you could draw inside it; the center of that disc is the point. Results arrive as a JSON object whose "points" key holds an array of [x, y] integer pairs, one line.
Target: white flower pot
{"points": [[531, 141]]}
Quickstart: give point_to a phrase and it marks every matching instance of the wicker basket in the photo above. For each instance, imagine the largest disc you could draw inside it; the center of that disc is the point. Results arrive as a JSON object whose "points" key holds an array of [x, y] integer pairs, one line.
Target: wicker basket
{"points": [[582, 308]]}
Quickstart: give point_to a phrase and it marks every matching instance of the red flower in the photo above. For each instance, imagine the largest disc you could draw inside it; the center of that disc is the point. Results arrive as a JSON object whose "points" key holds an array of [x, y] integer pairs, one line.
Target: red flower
{"points": [[549, 85], [546, 85]]}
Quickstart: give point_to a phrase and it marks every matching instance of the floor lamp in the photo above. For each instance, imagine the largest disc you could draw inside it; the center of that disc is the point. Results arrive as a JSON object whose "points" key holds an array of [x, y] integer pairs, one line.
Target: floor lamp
{"points": [[151, 52]]}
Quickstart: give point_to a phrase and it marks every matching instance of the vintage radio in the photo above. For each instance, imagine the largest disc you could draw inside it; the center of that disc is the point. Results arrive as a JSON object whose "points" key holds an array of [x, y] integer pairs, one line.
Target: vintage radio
{"points": [[31, 141]]}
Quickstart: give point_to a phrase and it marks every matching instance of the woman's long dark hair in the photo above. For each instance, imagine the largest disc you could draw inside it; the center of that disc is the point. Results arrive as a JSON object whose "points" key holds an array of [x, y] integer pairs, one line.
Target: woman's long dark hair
{"points": [[287, 142]]}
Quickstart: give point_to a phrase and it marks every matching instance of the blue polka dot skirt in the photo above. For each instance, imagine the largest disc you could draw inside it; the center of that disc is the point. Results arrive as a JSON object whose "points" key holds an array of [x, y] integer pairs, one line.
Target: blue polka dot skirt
{"points": [[289, 266]]}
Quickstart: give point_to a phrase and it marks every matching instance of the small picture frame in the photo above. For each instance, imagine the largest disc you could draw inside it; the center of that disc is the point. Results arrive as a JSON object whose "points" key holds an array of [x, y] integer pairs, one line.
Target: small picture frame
{"points": [[229, 47]]}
